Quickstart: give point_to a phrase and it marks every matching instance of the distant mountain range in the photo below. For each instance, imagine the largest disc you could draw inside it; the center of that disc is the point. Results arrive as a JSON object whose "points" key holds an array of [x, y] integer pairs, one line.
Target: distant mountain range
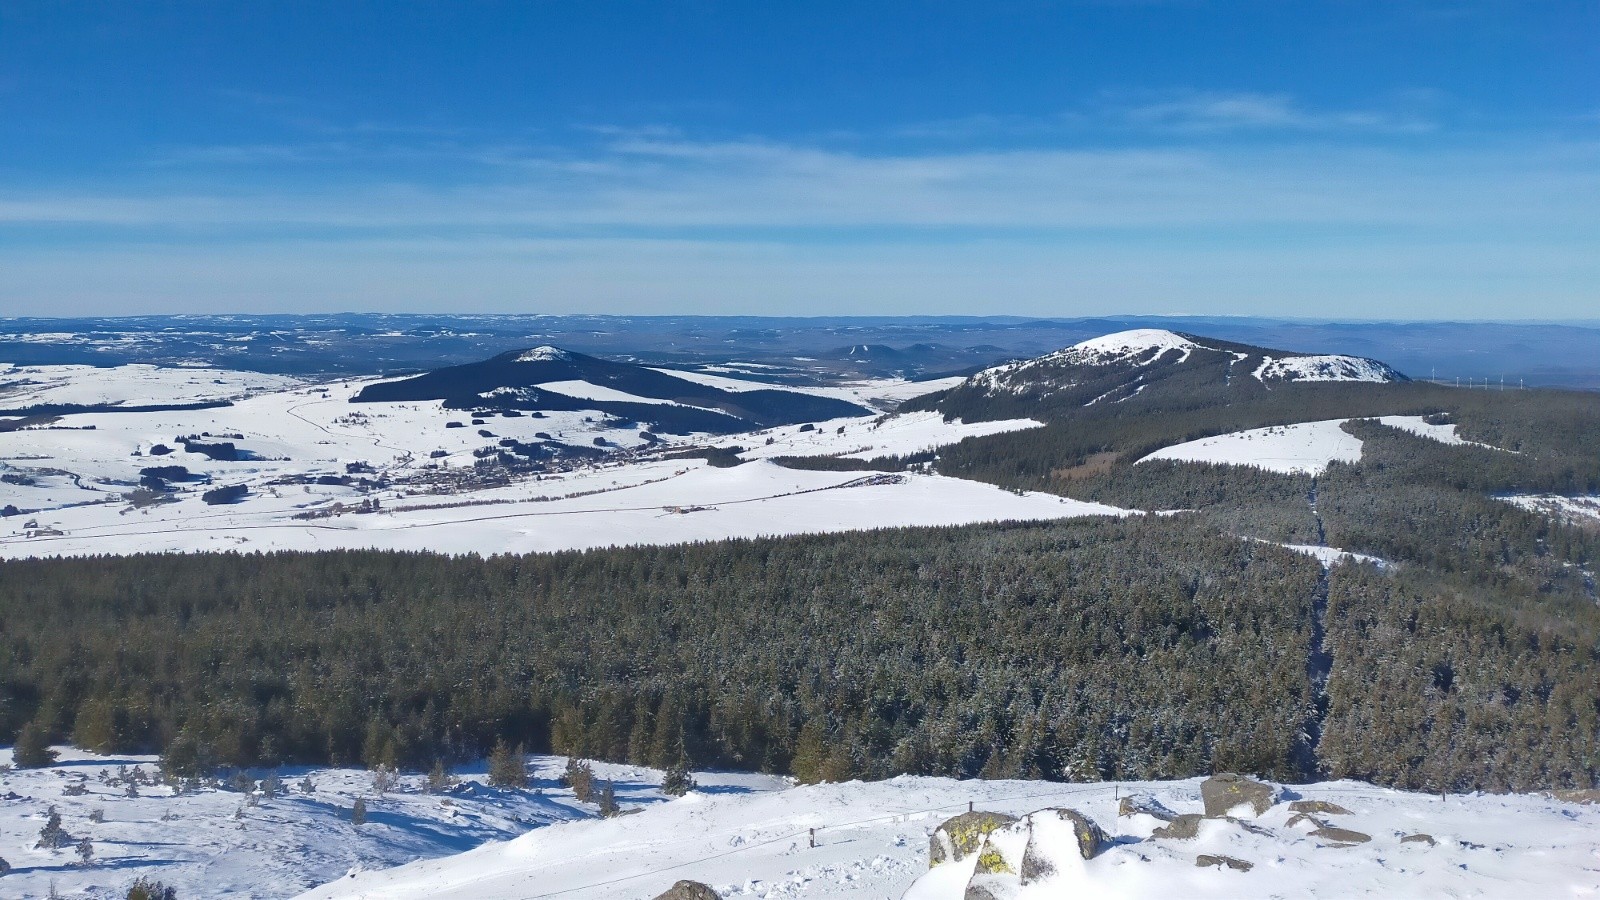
{"points": [[794, 351], [552, 379]]}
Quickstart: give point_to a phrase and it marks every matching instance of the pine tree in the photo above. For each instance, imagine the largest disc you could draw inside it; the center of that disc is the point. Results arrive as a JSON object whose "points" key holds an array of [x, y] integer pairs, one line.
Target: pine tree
{"points": [[148, 889], [358, 812], [580, 777], [677, 781], [608, 800], [32, 749], [506, 766], [52, 836], [810, 754], [5, 867], [439, 778], [85, 851]]}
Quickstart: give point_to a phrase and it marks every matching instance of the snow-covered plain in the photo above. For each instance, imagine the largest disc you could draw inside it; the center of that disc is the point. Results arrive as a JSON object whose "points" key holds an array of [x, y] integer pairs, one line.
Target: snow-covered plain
{"points": [[872, 841], [134, 385], [73, 480]]}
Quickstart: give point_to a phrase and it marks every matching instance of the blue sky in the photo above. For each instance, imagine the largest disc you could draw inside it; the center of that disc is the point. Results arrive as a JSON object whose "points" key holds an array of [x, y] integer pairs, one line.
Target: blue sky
{"points": [[1412, 159]]}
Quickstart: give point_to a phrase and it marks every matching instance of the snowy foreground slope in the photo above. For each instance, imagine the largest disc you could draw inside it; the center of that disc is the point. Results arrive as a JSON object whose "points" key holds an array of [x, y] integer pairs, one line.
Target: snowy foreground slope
{"points": [[872, 841], [228, 843]]}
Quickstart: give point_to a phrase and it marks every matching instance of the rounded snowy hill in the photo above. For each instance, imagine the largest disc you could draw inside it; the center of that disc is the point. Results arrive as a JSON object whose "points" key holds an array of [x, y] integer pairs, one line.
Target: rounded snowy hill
{"points": [[1150, 363]]}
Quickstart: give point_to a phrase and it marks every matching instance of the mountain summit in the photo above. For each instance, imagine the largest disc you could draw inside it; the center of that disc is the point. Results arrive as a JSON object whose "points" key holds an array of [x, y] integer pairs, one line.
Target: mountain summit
{"points": [[1149, 363]]}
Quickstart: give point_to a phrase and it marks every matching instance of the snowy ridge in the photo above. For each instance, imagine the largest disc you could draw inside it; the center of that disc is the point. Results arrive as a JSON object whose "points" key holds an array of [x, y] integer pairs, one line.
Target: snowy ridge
{"points": [[1121, 345], [1141, 346], [1325, 368], [1150, 346]]}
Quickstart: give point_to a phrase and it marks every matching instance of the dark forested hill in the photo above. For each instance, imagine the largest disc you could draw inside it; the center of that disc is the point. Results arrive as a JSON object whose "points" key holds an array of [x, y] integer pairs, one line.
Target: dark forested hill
{"points": [[1150, 369], [513, 381]]}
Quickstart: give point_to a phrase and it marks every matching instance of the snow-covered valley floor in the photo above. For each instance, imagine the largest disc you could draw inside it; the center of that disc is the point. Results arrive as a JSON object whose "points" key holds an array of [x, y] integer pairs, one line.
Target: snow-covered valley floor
{"points": [[320, 472]]}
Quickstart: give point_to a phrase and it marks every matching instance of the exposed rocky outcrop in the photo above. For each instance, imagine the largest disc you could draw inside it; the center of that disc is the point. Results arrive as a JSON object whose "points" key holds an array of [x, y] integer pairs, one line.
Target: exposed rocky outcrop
{"points": [[1216, 859], [1035, 849], [1182, 828], [1304, 818], [1419, 838], [960, 837], [1224, 794], [1318, 806], [1342, 837]]}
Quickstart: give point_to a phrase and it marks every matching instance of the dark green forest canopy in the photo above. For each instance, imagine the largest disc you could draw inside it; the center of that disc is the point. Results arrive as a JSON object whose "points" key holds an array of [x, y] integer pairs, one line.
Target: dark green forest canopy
{"points": [[1141, 648], [1556, 432]]}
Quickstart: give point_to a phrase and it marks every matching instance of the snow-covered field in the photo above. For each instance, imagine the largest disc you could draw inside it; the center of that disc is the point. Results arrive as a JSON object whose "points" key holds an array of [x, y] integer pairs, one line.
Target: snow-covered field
{"points": [[135, 385], [1306, 447], [872, 841], [306, 450]]}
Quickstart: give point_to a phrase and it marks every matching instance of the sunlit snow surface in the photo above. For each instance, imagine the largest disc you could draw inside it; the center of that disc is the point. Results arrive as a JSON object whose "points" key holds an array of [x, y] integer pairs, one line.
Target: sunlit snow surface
{"points": [[1581, 509], [1305, 447], [872, 841], [214, 843], [71, 480], [1325, 368]]}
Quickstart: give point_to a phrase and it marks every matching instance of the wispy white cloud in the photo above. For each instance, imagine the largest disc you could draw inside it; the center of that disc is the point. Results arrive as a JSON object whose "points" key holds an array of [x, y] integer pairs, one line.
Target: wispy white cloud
{"points": [[656, 221], [665, 183], [1211, 112]]}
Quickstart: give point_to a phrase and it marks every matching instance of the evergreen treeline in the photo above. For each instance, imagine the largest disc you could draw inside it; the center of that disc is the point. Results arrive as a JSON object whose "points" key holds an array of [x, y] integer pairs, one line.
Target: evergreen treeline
{"points": [[1128, 649], [1412, 499], [1438, 686], [1554, 431]]}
